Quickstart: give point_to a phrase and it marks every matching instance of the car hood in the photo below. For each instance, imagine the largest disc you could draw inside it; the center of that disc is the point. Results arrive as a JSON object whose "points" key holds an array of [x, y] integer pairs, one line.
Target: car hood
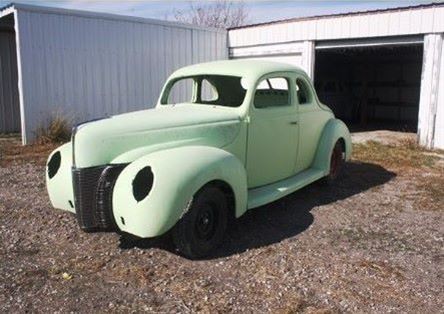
{"points": [[100, 142]]}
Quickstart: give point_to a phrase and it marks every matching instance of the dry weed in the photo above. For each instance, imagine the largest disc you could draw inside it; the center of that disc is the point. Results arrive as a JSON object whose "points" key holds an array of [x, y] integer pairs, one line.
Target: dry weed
{"points": [[58, 130]]}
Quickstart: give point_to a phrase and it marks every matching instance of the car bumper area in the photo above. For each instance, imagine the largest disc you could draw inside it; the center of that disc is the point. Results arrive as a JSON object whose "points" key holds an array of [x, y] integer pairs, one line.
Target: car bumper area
{"points": [[87, 192], [93, 188]]}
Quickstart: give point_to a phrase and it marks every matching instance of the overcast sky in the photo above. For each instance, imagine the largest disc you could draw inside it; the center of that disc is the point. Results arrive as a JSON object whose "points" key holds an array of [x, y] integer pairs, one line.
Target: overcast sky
{"points": [[259, 11]]}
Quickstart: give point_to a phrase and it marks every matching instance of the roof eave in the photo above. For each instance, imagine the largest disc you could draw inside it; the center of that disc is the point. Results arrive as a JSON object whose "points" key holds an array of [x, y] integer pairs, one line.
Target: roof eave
{"points": [[7, 9]]}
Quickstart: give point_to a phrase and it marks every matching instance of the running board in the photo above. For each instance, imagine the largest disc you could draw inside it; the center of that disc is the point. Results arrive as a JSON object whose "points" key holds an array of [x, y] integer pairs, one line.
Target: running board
{"points": [[272, 192]]}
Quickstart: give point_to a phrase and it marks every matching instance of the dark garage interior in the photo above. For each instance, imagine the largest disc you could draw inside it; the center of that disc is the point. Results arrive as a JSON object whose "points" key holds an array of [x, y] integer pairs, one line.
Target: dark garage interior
{"points": [[371, 88], [9, 95]]}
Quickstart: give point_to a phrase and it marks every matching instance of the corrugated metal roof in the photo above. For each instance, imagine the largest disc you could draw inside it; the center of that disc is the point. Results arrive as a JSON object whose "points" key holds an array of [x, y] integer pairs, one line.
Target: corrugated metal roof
{"points": [[315, 17], [6, 9], [6, 6]]}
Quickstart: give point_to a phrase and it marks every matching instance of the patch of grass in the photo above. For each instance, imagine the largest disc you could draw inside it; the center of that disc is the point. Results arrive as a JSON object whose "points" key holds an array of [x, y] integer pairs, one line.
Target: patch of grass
{"points": [[57, 132], [424, 168], [432, 188], [406, 155], [12, 151]]}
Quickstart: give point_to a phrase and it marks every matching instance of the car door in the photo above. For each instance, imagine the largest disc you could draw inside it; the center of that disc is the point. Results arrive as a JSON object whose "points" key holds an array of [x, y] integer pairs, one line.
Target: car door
{"points": [[272, 131], [312, 120]]}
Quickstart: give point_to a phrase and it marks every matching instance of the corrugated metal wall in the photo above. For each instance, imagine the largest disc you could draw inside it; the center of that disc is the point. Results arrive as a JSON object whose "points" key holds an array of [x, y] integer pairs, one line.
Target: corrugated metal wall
{"points": [[9, 100], [288, 38], [372, 24], [85, 67], [300, 53]]}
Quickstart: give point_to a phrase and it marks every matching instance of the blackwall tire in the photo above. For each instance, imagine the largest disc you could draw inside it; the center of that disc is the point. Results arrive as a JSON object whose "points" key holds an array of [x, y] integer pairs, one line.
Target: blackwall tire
{"points": [[202, 228], [337, 162]]}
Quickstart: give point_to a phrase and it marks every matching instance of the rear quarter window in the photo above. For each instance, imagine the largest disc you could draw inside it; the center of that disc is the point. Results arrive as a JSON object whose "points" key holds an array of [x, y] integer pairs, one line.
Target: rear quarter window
{"points": [[303, 92], [272, 92]]}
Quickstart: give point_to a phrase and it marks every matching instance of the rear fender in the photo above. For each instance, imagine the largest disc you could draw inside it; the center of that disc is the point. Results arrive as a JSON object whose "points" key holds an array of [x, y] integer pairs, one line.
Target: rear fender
{"points": [[334, 130], [177, 173]]}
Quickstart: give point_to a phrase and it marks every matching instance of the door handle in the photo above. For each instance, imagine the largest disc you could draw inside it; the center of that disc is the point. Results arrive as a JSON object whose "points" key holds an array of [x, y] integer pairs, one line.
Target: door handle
{"points": [[293, 122]]}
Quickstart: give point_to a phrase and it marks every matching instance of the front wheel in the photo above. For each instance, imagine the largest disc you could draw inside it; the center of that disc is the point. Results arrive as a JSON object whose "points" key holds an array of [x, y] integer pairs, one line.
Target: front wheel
{"points": [[202, 227], [337, 161]]}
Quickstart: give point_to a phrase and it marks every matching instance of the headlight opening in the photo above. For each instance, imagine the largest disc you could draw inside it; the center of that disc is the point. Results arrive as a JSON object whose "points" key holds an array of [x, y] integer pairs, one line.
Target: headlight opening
{"points": [[54, 164], [142, 183]]}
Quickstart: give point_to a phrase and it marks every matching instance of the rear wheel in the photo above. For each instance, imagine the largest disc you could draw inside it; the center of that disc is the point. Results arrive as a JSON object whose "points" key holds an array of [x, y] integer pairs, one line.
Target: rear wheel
{"points": [[337, 161], [202, 227]]}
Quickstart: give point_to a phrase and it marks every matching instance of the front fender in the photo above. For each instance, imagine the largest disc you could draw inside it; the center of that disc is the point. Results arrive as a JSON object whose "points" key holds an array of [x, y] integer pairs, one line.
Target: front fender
{"points": [[59, 185], [333, 131], [178, 173]]}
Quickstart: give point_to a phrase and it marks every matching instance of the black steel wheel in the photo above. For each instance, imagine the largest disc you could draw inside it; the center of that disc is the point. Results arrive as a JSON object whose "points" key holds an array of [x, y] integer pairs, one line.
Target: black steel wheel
{"points": [[202, 227]]}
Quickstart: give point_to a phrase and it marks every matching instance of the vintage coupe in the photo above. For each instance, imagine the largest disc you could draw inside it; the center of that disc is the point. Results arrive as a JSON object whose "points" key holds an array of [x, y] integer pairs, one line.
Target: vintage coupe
{"points": [[224, 137]]}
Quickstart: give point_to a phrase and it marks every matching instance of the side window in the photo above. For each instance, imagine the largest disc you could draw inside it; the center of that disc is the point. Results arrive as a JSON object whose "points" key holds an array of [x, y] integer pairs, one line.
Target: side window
{"points": [[303, 92], [208, 92], [272, 92], [181, 91]]}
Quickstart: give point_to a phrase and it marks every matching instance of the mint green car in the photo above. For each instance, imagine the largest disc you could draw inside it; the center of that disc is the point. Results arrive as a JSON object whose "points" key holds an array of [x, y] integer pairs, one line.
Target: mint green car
{"points": [[225, 137]]}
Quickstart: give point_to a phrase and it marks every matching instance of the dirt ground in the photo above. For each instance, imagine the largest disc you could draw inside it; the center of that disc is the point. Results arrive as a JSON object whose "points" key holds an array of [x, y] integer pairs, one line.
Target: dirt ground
{"points": [[371, 243]]}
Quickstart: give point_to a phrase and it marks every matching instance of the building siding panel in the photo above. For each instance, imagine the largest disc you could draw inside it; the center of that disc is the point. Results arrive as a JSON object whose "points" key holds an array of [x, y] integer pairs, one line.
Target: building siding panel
{"points": [[85, 67], [376, 24]]}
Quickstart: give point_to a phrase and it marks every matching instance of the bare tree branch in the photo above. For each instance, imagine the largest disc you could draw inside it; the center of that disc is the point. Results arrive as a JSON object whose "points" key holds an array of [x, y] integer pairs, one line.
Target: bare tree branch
{"points": [[219, 14]]}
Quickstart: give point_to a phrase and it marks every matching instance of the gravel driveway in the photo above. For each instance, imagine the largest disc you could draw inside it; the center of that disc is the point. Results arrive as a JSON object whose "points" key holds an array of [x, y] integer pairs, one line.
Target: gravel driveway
{"points": [[372, 243]]}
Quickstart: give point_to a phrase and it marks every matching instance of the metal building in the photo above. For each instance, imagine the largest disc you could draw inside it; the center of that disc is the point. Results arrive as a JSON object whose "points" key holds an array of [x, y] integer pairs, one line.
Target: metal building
{"points": [[85, 65], [376, 69]]}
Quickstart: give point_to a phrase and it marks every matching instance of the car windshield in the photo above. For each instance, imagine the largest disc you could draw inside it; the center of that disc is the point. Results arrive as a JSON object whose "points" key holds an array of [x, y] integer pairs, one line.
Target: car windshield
{"points": [[217, 90]]}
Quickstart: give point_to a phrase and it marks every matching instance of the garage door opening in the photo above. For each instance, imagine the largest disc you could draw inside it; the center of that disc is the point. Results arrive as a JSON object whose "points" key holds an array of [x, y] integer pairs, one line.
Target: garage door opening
{"points": [[371, 88], [9, 99]]}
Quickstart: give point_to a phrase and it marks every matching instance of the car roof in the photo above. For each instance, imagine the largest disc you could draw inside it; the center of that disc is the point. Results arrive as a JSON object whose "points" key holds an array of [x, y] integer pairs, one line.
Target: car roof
{"points": [[242, 68]]}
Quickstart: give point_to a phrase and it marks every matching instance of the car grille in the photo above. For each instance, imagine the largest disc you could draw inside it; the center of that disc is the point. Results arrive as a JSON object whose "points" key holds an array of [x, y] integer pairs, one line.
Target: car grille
{"points": [[93, 196]]}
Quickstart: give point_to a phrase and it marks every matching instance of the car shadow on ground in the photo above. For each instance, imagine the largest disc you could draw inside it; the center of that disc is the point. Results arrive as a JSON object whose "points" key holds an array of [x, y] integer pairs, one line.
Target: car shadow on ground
{"points": [[286, 217]]}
